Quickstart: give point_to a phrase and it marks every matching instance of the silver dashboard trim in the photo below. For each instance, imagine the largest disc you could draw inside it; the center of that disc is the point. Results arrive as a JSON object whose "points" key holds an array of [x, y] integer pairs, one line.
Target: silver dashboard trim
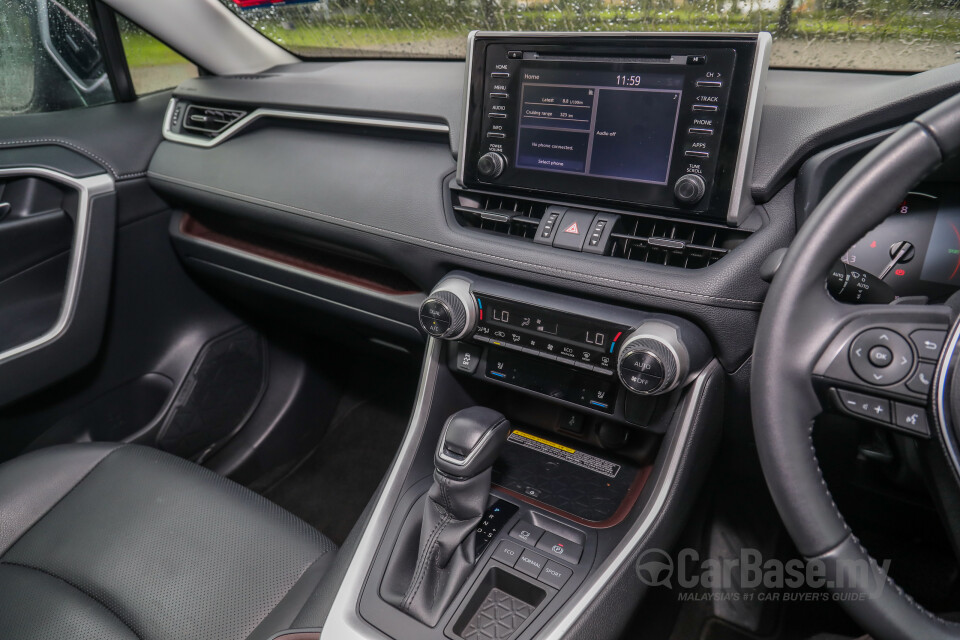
{"points": [[558, 627], [87, 188], [740, 198], [467, 77], [309, 116], [344, 622]]}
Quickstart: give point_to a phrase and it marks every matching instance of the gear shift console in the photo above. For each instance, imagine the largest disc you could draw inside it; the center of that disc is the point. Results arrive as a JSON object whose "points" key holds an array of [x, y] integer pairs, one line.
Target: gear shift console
{"points": [[436, 548]]}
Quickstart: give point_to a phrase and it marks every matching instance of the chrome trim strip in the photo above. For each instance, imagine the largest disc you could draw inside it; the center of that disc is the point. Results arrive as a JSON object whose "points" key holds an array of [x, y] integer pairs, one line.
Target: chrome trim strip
{"points": [[741, 200], [561, 623], [256, 114], [941, 417], [344, 622], [468, 76], [88, 188]]}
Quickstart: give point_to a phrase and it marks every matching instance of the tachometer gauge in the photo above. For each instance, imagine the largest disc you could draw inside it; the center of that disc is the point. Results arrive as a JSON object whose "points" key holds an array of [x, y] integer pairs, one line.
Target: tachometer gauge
{"points": [[917, 249]]}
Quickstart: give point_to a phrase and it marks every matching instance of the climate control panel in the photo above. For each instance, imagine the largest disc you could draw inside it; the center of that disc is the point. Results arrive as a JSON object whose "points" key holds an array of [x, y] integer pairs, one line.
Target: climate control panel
{"points": [[583, 353]]}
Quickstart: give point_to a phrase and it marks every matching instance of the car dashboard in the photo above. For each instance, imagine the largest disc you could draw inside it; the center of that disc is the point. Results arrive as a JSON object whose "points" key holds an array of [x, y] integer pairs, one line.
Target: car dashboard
{"points": [[592, 273]]}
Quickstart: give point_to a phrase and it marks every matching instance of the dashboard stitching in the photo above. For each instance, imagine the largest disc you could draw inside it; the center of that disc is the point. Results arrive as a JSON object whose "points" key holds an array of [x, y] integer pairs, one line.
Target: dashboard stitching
{"points": [[470, 252], [71, 145]]}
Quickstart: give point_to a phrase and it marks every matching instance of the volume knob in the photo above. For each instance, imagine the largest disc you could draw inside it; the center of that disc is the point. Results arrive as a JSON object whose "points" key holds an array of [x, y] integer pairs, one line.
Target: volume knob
{"points": [[491, 165]]}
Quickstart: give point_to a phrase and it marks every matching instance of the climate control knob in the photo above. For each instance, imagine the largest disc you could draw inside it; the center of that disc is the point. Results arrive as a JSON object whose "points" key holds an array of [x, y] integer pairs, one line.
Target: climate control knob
{"points": [[449, 312], [689, 188], [652, 359], [491, 165]]}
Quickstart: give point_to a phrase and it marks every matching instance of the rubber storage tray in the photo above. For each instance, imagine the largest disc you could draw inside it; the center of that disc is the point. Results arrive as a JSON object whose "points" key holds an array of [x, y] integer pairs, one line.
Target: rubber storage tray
{"points": [[499, 607]]}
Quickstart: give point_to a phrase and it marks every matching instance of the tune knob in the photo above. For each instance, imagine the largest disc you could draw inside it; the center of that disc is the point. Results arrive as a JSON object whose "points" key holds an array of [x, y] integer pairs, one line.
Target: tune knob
{"points": [[689, 188], [491, 165], [449, 312], [653, 360]]}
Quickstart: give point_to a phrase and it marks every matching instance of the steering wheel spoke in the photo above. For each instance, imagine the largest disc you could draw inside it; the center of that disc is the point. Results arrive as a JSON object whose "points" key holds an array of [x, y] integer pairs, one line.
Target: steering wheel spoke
{"points": [[879, 364]]}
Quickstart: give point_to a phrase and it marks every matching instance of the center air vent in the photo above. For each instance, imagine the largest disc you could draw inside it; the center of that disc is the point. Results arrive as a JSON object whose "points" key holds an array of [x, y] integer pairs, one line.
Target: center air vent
{"points": [[675, 243], [635, 236], [499, 214], [210, 121]]}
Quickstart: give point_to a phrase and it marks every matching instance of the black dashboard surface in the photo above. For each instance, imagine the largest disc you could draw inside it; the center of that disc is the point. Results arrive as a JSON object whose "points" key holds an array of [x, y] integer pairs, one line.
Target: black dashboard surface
{"points": [[803, 112], [384, 194]]}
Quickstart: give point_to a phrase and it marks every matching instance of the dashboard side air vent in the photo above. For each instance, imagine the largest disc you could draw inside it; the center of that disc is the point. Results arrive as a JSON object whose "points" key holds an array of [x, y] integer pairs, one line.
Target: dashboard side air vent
{"points": [[677, 243], [505, 215], [640, 237], [209, 121]]}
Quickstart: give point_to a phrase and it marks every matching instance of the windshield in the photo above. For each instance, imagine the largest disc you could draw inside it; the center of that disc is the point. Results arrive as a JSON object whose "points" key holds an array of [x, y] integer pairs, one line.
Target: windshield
{"points": [[882, 35]]}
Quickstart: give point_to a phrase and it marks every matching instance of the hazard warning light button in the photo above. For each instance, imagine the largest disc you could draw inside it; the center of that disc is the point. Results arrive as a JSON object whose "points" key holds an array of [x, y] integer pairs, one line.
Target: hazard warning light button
{"points": [[573, 229]]}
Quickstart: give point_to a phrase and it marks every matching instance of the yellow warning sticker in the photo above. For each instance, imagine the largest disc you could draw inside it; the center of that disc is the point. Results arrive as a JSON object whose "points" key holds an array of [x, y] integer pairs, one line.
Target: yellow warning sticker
{"points": [[542, 441], [579, 458]]}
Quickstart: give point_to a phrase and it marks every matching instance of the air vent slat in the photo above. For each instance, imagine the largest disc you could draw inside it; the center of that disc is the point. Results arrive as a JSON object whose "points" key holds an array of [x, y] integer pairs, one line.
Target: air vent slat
{"points": [[637, 237], [499, 214], [208, 120]]}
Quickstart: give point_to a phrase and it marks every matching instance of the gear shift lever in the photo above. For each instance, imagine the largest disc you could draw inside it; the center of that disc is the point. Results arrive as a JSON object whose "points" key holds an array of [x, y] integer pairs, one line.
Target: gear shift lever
{"points": [[470, 442], [435, 551]]}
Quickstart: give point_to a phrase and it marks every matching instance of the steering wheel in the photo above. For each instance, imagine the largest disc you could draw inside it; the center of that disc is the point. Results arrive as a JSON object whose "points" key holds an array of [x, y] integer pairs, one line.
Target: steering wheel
{"points": [[811, 351]]}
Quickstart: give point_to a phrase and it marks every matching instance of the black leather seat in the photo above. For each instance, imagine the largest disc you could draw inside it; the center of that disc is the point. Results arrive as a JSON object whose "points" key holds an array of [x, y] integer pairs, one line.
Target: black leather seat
{"points": [[109, 542]]}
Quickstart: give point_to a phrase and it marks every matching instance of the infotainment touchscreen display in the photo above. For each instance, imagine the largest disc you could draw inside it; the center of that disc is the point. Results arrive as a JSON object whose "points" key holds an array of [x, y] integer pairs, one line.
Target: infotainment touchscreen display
{"points": [[617, 123], [656, 121]]}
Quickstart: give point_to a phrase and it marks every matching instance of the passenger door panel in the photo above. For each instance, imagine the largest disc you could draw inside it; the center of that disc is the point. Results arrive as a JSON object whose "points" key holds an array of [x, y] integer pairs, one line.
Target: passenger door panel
{"points": [[56, 239]]}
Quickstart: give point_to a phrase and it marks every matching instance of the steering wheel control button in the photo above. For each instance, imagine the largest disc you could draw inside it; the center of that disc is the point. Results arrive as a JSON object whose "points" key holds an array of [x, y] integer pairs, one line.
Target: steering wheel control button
{"points": [[555, 575], [867, 351], [880, 356], [860, 404], [508, 553], [530, 563], [929, 342], [911, 418], [920, 382], [526, 533], [559, 547]]}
